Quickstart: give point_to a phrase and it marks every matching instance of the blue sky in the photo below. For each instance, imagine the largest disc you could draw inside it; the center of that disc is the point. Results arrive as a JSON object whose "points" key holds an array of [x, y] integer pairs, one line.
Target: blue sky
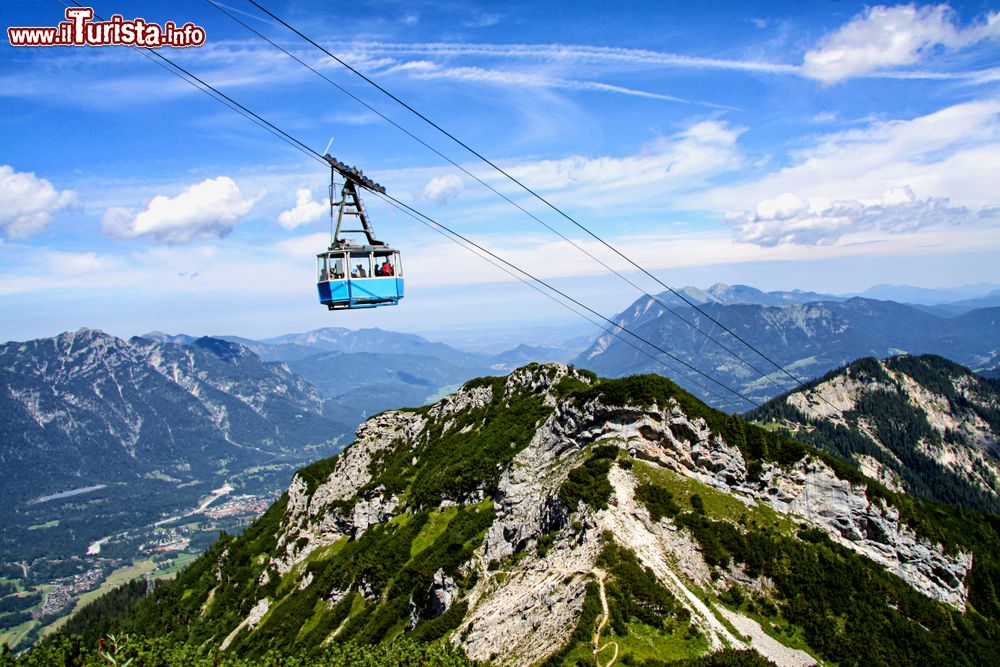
{"points": [[827, 146]]}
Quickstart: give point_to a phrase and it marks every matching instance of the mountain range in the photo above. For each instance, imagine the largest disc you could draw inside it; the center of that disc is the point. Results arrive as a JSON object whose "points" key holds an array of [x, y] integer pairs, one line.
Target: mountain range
{"points": [[363, 372], [948, 301], [122, 431], [807, 339], [102, 435], [553, 517]]}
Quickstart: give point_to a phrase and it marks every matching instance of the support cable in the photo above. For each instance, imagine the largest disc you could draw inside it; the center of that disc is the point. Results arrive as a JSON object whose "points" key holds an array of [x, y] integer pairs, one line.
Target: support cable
{"points": [[533, 193], [605, 265], [292, 141], [723, 400]]}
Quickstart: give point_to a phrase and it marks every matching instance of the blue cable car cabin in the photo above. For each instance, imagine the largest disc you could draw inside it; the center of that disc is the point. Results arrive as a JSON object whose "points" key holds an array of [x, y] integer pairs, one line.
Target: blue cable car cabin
{"points": [[351, 274], [359, 278]]}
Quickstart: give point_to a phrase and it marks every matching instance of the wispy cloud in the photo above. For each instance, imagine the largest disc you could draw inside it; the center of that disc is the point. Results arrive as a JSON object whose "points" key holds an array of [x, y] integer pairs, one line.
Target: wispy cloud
{"points": [[819, 63], [953, 152], [245, 63], [665, 169], [422, 69], [573, 53]]}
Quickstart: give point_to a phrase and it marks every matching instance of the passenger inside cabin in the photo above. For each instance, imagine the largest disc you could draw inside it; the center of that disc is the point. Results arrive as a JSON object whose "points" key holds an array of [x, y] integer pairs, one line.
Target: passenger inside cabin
{"points": [[386, 268], [359, 272]]}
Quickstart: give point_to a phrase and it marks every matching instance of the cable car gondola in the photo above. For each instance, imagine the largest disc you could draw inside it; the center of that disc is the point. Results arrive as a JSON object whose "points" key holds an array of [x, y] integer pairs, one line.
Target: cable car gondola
{"points": [[356, 275]]}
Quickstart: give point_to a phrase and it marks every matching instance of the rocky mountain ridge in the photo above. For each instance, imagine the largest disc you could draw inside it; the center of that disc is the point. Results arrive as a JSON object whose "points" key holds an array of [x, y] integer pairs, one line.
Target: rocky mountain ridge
{"points": [[89, 410], [919, 424], [500, 516]]}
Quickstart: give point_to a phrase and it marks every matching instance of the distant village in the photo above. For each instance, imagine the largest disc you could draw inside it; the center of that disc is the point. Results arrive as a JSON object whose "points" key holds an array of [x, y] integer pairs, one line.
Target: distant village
{"points": [[236, 513]]}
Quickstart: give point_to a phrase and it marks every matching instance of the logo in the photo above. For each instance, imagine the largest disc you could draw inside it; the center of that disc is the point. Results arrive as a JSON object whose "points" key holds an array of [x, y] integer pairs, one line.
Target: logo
{"points": [[79, 29]]}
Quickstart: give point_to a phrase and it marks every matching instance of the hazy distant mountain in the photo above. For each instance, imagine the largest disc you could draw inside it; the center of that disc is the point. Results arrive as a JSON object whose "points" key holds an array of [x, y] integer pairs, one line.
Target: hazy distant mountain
{"points": [[572, 336], [360, 384], [986, 301], [523, 354], [945, 302], [273, 351], [930, 296], [295, 346], [809, 339], [732, 294], [338, 339], [157, 424]]}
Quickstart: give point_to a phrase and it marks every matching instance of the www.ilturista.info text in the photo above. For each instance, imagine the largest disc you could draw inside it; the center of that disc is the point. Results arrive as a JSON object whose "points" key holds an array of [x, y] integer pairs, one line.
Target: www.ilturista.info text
{"points": [[79, 29]]}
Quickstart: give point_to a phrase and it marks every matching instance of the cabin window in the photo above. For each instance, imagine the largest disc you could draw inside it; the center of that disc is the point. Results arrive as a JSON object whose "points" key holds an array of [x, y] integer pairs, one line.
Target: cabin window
{"points": [[361, 265], [387, 265], [330, 267]]}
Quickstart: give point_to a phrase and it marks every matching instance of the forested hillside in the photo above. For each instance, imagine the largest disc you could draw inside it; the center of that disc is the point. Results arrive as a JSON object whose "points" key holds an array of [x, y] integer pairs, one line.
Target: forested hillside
{"points": [[921, 424]]}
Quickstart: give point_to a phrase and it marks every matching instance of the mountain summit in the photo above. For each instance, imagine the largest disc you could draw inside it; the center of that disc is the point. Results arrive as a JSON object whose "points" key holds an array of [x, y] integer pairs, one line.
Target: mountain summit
{"points": [[548, 514]]}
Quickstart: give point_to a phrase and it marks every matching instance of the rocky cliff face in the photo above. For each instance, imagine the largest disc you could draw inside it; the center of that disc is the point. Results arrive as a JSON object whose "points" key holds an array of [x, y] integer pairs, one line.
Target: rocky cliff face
{"points": [[504, 514], [920, 424]]}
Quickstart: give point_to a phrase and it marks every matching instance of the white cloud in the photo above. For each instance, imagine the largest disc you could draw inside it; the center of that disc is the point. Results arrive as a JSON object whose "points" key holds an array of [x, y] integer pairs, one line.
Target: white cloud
{"points": [[27, 203], [483, 21], [886, 37], [78, 263], [787, 219], [953, 153], [210, 209], [306, 210], [657, 176], [443, 189], [669, 166]]}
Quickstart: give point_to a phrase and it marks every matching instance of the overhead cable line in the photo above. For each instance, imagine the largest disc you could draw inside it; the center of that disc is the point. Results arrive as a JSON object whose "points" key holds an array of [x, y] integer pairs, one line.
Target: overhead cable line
{"points": [[763, 374], [214, 93], [724, 400], [530, 191], [569, 298], [291, 140]]}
